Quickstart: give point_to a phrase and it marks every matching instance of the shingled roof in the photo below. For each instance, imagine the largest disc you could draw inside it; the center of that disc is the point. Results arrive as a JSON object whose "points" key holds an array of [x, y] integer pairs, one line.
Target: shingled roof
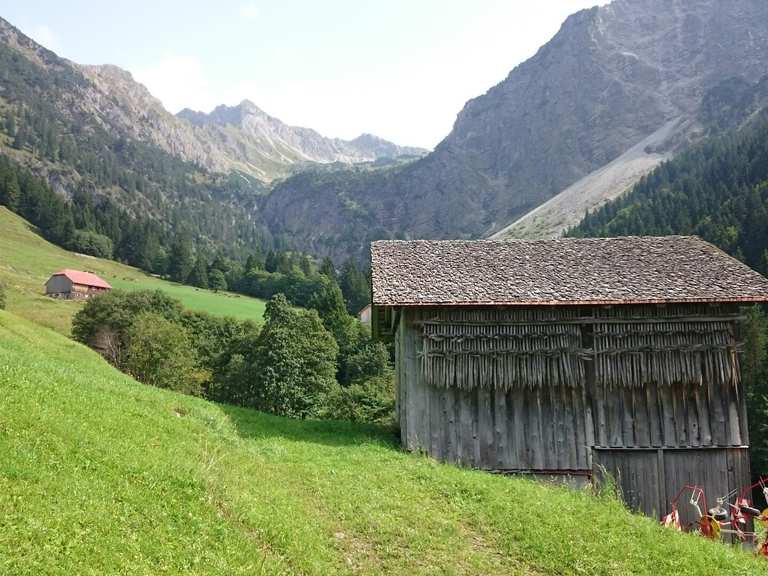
{"points": [[628, 270]]}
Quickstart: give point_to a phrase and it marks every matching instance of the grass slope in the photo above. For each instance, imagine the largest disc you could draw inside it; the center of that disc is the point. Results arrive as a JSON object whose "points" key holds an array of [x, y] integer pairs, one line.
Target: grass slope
{"points": [[27, 261], [99, 474]]}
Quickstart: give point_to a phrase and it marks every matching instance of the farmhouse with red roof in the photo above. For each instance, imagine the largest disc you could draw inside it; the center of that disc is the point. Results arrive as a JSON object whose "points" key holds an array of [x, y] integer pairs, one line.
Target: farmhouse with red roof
{"points": [[73, 284]]}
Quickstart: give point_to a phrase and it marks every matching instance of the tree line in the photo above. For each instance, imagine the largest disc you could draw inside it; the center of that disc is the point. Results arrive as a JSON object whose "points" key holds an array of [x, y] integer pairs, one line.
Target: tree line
{"points": [[302, 363], [100, 227]]}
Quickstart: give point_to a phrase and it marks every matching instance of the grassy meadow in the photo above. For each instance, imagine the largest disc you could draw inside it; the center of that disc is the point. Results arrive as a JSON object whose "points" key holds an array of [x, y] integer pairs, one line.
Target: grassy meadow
{"points": [[27, 261], [102, 475]]}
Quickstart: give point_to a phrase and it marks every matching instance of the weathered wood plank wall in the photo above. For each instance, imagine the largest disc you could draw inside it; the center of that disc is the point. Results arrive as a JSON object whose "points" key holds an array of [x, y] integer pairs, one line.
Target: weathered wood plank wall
{"points": [[523, 429], [650, 479], [555, 428]]}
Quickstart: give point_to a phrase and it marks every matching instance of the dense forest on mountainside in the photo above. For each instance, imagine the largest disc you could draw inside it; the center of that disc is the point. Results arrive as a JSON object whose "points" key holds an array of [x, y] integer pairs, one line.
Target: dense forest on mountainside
{"points": [[79, 155], [717, 190]]}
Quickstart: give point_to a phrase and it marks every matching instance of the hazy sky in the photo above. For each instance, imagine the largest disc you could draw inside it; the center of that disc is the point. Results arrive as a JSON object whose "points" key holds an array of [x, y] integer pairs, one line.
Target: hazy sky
{"points": [[401, 69]]}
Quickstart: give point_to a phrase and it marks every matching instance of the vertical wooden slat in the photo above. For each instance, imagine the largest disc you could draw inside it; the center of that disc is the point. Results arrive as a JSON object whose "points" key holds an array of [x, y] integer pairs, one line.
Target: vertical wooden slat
{"points": [[581, 424], [655, 416], [704, 417], [418, 422], [734, 428], [681, 418], [516, 404], [628, 417], [402, 387], [616, 417], [641, 417], [572, 437], [663, 493], [718, 422], [486, 430], [451, 412], [501, 432], [670, 429], [466, 428], [534, 427], [558, 428], [436, 397]]}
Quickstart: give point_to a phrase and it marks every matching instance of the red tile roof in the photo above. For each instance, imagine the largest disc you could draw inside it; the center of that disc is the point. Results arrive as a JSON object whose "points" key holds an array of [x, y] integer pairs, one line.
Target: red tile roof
{"points": [[83, 278]]}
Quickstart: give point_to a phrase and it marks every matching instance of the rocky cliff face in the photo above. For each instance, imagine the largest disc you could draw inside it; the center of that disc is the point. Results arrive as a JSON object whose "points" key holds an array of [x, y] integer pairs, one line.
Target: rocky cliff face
{"points": [[127, 107], [611, 77]]}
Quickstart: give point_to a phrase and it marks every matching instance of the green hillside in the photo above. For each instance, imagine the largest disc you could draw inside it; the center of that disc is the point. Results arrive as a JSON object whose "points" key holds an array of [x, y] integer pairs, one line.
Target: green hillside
{"points": [[27, 261], [102, 475]]}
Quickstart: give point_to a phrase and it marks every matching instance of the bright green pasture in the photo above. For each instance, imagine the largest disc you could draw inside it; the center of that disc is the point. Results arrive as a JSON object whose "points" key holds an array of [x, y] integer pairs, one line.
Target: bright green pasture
{"points": [[27, 261]]}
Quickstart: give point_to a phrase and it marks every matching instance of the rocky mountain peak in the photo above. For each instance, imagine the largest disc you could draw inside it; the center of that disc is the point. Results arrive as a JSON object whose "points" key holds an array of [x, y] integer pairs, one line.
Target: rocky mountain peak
{"points": [[617, 90]]}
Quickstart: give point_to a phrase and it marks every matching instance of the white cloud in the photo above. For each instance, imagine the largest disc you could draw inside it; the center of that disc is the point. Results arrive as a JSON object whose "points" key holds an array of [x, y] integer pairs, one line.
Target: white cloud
{"points": [[249, 10], [43, 35], [178, 81]]}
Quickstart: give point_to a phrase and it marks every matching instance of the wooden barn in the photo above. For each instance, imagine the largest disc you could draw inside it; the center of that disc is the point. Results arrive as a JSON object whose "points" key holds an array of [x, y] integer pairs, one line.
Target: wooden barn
{"points": [[73, 284], [557, 357]]}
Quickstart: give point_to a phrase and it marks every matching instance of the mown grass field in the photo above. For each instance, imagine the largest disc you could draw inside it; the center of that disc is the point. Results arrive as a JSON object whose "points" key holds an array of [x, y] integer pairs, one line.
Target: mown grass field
{"points": [[27, 261], [102, 475]]}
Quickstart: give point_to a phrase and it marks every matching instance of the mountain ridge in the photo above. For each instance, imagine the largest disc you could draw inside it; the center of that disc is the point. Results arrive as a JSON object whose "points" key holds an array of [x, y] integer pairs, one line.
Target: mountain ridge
{"points": [[612, 76], [252, 136], [261, 145]]}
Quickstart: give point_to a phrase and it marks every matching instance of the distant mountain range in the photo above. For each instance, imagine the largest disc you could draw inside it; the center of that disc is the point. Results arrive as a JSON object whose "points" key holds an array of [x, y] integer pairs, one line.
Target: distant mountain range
{"points": [[241, 137], [253, 141], [618, 90]]}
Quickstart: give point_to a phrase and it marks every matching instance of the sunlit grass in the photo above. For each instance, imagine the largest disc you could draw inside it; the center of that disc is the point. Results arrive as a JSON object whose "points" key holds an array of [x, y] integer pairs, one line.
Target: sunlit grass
{"points": [[101, 475], [27, 261]]}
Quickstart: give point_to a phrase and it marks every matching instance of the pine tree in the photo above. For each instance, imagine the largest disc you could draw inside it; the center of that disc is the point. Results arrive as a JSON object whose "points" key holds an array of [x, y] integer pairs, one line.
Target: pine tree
{"points": [[10, 193], [354, 286], [199, 275], [10, 124], [271, 262], [181, 260], [328, 270], [216, 280]]}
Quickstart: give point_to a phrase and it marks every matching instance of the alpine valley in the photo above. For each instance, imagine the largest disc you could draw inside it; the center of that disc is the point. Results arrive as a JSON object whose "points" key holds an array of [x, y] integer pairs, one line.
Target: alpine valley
{"points": [[618, 90]]}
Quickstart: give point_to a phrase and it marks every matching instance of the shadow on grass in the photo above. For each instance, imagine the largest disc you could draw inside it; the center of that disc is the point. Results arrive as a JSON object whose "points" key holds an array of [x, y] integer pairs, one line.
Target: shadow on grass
{"points": [[252, 424]]}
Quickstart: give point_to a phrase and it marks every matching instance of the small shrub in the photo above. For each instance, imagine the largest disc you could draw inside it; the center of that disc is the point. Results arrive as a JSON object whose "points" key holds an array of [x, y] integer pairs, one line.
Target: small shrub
{"points": [[2, 297], [370, 400]]}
